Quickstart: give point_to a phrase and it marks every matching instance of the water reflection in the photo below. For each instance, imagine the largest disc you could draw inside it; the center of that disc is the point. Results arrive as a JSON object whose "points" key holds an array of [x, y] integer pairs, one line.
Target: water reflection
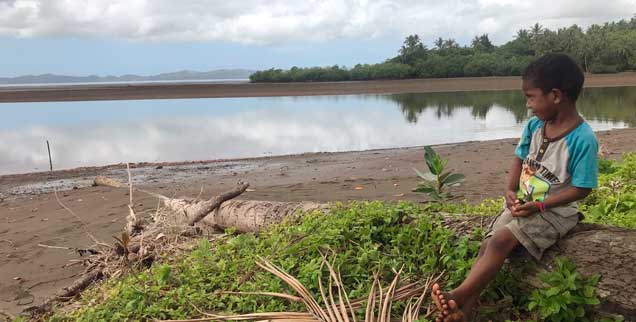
{"points": [[615, 104], [99, 133]]}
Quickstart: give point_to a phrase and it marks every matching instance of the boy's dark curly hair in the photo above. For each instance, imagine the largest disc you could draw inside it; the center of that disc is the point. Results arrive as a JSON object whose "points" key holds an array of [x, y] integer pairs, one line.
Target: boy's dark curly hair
{"points": [[558, 71]]}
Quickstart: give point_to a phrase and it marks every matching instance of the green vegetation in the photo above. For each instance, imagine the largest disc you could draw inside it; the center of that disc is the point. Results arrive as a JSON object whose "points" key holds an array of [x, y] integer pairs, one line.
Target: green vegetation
{"points": [[614, 202], [436, 181], [566, 294], [607, 48], [367, 237]]}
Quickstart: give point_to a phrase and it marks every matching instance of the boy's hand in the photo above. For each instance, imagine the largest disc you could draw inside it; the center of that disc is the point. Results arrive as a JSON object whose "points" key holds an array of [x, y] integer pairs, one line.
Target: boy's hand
{"points": [[511, 199], [524, 210]]}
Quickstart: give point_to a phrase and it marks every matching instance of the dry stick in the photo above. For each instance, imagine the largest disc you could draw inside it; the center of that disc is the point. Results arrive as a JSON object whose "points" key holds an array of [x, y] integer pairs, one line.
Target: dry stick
{"points": [[67, 292], [370, 311], [129, 183], [79, 284], [210, 205], [217, 201], [84, 225], [50, 160], [57, 247], [112, 183], [322, 293], [51, 281], [272, 294]]}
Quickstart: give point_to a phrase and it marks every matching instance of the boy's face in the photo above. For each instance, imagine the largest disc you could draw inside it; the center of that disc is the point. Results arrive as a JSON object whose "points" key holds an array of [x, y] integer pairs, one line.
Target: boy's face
{"points": [[544, 106]]}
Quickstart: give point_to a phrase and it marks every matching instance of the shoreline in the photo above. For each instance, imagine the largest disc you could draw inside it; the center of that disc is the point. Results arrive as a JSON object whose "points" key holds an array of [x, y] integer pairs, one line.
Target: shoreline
{"points": [[39, 177], [89, 92], [272, 158], [37, 180]]}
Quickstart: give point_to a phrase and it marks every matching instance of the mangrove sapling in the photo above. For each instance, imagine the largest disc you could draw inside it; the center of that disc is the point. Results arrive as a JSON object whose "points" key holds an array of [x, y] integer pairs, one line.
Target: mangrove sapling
{"points": [[436, 181]]}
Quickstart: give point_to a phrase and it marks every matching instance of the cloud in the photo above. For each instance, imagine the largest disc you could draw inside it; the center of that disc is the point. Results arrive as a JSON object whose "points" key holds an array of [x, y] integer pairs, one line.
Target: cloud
{"points": [[272, 22]]}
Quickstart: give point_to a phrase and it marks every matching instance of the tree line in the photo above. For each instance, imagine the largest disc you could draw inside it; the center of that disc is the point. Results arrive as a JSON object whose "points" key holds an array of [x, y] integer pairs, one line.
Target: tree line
{"points": [[607, 48]]}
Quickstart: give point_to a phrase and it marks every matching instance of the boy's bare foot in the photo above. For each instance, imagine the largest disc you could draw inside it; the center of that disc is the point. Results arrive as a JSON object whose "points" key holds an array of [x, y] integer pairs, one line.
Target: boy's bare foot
{"points": [[448, 309], [454, 313]]}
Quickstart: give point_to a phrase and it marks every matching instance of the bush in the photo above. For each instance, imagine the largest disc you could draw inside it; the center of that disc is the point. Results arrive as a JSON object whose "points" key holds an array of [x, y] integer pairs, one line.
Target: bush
{"points": [[566, 295], [614, 202], [599, 68]]}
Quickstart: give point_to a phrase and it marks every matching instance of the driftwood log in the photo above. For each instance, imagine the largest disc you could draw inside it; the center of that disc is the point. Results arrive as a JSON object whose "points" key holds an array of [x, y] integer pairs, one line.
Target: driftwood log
{"points": [[607, 251]]}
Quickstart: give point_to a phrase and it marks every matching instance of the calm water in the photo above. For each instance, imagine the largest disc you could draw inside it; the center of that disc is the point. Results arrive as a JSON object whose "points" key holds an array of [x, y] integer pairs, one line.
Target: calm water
{"points": [[100, 133]]}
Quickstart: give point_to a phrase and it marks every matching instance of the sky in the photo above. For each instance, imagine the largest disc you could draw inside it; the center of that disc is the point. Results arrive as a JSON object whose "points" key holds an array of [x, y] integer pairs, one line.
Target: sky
{"points": [[145, 37]]}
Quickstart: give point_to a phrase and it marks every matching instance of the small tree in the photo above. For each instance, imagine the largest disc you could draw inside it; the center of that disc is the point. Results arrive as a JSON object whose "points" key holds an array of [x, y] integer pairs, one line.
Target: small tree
{"points": [[436, 180]]}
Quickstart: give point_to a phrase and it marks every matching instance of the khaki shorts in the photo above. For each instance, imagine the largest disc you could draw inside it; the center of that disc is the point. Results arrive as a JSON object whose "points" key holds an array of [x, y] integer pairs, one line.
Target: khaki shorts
{"points": [[536, 232]]}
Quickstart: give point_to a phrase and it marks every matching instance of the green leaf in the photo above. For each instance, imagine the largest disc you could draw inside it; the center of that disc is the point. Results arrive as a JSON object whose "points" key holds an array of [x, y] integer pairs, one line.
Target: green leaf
{"points": [[552, 291], [429, 156], [426, 176], [437, 166], [454, 178], [424, 188], [592, 301], [443, 176], [580, 312]]}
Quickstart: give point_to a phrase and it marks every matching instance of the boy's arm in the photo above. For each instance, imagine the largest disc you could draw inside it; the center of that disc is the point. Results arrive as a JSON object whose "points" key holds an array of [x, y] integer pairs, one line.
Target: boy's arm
{"points": [[513, 183], [564, 197]]}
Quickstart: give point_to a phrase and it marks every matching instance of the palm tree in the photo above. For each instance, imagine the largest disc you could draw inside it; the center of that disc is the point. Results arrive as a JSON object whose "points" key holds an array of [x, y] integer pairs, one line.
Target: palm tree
{"points": [[439, 43]]}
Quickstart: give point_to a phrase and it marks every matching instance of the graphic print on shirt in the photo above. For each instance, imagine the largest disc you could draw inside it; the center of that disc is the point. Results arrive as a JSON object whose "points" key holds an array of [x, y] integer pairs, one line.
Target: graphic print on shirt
{"points": [[533, 185]]}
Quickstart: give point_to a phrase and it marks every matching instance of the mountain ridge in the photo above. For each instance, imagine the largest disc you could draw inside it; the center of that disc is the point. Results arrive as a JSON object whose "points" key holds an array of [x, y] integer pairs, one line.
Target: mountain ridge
{"points": [[171, 76]]}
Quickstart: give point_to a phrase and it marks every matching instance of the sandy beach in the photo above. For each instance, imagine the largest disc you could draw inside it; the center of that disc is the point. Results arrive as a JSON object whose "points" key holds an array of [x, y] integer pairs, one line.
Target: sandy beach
{"points": [[31, 215]]}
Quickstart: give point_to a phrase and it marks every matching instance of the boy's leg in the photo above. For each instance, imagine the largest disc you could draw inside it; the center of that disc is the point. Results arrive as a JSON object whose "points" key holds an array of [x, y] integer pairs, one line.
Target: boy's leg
{"points": [[483, 272], [470, 303]]}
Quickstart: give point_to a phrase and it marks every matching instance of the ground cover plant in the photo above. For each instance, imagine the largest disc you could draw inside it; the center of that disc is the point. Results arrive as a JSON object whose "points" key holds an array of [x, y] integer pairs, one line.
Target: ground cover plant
{"points": [[614, 202], [366, 237]]}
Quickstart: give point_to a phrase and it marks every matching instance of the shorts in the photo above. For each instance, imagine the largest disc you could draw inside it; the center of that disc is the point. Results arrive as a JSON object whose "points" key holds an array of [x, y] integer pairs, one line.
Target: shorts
{"points": [[536, 232]]}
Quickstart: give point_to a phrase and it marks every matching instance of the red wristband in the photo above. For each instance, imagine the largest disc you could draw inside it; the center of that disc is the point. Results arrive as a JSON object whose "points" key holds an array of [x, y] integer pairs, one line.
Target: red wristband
{"points": [[541, 206]]}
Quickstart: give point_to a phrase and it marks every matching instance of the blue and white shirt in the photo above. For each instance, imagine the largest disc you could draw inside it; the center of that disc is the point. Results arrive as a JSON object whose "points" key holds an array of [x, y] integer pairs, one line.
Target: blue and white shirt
{"points": [[550, 165]]}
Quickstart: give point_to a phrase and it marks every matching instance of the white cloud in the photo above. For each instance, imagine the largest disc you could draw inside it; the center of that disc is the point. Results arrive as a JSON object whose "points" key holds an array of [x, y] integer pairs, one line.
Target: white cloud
{"points": [[285, 21]]}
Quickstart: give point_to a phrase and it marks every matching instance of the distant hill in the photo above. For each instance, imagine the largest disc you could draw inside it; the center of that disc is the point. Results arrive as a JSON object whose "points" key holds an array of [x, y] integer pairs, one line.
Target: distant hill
{"points": [[175, 76]]}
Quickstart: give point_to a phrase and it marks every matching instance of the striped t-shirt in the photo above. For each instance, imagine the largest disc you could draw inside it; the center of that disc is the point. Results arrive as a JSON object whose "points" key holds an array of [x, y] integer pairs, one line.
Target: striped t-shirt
{"points": [[552, 165]]}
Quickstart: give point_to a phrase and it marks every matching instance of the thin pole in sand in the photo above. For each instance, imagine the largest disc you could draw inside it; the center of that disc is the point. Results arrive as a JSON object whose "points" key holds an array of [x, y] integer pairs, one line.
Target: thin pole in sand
{"points": [[48, 147]]}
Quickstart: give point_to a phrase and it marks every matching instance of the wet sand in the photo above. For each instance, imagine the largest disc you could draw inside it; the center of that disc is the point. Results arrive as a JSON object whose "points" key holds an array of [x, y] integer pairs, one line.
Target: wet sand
{"points": [[30, 214], [212, 90]]}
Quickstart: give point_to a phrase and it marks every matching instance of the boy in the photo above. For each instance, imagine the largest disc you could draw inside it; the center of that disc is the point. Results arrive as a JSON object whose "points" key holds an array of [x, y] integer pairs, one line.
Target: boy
{"points": [[556, 164]]}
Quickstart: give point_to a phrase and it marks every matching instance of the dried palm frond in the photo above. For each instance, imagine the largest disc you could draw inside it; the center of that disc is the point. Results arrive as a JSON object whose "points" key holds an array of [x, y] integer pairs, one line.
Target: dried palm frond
{"points": [[334, 308]]}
